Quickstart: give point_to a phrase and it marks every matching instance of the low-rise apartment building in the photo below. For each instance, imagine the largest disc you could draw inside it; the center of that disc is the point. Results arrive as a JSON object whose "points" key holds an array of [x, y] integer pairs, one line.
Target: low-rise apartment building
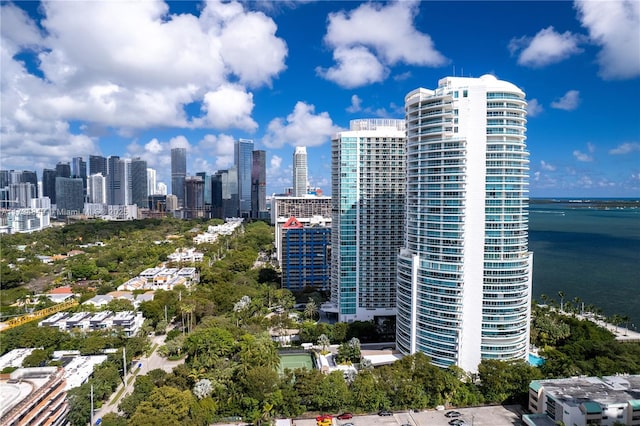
{"points": [[583, 401]]}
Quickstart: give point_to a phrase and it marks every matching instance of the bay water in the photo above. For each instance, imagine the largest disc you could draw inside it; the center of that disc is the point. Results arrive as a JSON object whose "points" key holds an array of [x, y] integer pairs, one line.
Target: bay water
{"points": [[588, 249]]}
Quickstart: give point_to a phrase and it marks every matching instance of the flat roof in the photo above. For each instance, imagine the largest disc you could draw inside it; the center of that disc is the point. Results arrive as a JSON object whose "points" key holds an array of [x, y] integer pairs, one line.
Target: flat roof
{"points": [[14, 358]]}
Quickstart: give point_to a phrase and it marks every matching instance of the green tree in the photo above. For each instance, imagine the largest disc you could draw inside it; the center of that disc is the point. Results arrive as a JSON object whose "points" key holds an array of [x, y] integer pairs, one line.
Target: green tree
{"points": [[366, 394], [37, 358], [333, 393], [166, 405]]}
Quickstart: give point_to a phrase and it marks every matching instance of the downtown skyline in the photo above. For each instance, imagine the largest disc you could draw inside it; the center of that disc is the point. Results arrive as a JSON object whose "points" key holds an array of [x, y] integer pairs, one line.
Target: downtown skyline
{"points": [[197, 76]]}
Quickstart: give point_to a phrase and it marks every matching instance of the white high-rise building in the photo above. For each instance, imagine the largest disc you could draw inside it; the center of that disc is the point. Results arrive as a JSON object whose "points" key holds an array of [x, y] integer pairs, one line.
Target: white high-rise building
{"points": [[97, 188], [300, 172], [368, 190], [151, 181], [464, 274], [161, 188]]}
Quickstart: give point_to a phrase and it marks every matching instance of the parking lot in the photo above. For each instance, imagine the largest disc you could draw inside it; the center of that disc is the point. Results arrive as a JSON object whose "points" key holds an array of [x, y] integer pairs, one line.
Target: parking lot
{"points": [[477, 416]]}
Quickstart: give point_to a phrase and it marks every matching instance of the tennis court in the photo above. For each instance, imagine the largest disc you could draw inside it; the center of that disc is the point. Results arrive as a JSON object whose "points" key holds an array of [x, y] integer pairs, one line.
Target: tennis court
{"points": [[293, 361]]}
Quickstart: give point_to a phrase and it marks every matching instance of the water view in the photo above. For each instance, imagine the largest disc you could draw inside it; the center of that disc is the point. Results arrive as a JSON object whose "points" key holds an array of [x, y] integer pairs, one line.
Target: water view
{"points": [[589, 250]]}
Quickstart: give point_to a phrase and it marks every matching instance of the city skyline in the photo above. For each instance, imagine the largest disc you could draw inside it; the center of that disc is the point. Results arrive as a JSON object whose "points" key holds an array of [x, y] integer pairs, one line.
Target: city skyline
{"points": [[79, 87]]}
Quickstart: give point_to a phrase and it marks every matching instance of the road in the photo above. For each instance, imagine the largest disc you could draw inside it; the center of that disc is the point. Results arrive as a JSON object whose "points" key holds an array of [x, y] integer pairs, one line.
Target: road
{"points": [[151, 362]]}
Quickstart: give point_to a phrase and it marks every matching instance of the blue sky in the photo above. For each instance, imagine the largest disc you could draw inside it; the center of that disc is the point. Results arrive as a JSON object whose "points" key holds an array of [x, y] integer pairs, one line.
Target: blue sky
{"points": [[137, 78]]}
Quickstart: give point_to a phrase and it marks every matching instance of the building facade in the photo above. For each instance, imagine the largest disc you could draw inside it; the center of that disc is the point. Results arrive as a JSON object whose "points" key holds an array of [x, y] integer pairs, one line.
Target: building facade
{"points": [[178, 173], [97, 188], [97, 164], [368, 190], [151, 181], [243, 154], [69, 196], [306, 254], [139, 186], [194, 197], [300, 172], [464, 273], [259, 184]]}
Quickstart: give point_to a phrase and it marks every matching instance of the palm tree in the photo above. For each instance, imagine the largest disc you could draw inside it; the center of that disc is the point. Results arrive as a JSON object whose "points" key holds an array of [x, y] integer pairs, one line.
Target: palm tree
{"points": [[311, 309], [561, 296]]}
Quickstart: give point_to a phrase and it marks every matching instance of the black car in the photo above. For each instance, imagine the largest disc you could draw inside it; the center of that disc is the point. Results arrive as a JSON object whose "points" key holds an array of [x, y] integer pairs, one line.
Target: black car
{"points": [[457, 422], [385, 413], [452, 414]]}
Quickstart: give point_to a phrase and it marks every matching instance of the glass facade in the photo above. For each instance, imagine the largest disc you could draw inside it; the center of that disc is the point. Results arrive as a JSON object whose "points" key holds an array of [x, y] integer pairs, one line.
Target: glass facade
{"points": [[368, 184], [464, 274]]}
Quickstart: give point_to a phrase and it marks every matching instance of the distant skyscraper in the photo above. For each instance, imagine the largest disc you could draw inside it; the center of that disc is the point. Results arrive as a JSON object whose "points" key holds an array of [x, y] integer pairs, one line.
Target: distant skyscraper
{"points": [[139, 183], [70, 200], [300, 173], [97, 188], [368, 191], [224, 194], [151, 181], [21, 194], [305, 254], [32, 178], [4, 178], [171, 202], [244, 162], [259, 184], [63, 170], [49, 184], [194, 197], [161, 188], [178, 173], [464, 274], [79, 170], [113, 179], [97, 164]]}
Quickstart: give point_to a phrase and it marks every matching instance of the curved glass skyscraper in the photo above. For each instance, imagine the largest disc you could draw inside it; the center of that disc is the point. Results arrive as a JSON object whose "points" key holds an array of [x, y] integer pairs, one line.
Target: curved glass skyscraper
{"points": [[464, 274]]}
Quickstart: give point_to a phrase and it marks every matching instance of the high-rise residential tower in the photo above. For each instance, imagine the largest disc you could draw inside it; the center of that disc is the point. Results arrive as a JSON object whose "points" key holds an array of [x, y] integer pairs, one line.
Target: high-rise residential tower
{"points": [[151, 181], [97, 188], [464, 274], [49, 184], [259, 184], [368, 191], [178, 173], [300, 173], [138, 177], [97, 164], [243, 149]]}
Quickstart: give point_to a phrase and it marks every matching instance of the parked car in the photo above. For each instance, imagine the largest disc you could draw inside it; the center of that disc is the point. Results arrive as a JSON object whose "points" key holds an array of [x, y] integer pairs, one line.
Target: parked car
{"points": [[345, 416], [452, 414], [457, 422], [348, 424], [385, 413]]}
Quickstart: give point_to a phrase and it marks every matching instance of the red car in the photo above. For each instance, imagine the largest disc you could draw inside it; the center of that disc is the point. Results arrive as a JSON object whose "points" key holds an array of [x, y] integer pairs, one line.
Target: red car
{"points": [[345, 416], [323, 417]]}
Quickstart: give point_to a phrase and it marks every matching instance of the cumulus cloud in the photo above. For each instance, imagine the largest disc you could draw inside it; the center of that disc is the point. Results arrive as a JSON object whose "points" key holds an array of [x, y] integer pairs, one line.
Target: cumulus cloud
{"points": [[613, 25], [229, 106], [585, 157], [546, 47], [302, 127], [547, 166], [625, 148], [568, 102], [220, 147], [139, 74], [356, 104], [370, 39], [534, 108]]}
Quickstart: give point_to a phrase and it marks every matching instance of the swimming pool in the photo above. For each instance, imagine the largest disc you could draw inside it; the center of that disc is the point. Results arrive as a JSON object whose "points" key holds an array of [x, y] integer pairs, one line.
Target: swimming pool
{"points": [[535, 360]]}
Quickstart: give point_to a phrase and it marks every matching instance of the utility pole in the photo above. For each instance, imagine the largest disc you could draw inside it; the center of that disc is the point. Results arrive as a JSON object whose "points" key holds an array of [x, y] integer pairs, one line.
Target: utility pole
{"points": [[124, 365], [165, 315], [91, 417]]}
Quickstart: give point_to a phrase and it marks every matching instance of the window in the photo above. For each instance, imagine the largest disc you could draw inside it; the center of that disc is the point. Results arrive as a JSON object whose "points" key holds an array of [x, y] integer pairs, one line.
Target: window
{"points": [[465, 93]]}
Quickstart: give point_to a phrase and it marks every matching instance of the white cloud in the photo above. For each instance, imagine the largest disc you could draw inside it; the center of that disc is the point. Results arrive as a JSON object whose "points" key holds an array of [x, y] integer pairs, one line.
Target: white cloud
{"points": [[613, 25], [356, 104], [547, 166], [585, 157], [179, 142], [138, 74], [219, 147], [625, 148], [379, 36], [547, 47], [534, 108], [153, 146], [568, 102], [356, 66], [229, 106], [301, 127]]}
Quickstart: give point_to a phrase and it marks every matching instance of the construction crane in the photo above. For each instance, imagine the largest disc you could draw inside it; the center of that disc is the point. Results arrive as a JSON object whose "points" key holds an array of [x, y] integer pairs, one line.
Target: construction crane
{"points": [[23, 319]]}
